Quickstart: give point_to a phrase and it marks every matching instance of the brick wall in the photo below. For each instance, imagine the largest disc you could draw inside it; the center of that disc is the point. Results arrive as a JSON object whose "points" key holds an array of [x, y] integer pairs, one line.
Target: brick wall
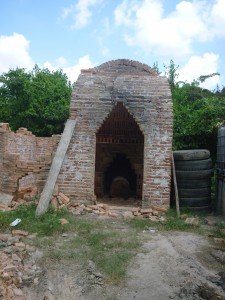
{"points": [[146, 96], [24, 160]]}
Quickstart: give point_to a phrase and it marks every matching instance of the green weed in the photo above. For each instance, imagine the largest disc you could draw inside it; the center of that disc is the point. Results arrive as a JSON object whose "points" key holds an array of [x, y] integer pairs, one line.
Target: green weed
{"points": [[219, 230], [47, 224]]}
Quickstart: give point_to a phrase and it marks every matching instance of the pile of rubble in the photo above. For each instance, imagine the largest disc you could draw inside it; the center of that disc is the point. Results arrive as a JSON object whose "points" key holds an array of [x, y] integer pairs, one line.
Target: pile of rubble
{"points": [[154, 214], [59, 201], [10, 202], [17, 265]]}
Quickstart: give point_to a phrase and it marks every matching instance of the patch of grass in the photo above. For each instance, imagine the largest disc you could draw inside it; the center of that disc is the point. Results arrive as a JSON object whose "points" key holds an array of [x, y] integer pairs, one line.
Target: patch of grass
{"points": [[81, 225], [115, 264], [219, 230], [110, 248], [173, 223], [139, 224], [47, 224], [112, 251]]}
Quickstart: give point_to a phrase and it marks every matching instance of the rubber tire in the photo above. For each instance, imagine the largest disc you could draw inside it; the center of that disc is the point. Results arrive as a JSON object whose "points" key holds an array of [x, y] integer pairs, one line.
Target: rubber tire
{"points": [[199, 174], [190, 165], [201, 209], [193, 183], [196, 154], [195, 202], [197, 209], [189, 193]]}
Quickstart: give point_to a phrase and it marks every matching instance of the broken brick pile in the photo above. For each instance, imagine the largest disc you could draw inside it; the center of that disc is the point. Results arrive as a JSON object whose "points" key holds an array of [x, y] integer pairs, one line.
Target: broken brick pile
{"points": [[17, 266], [15, 203], [59, 201]]}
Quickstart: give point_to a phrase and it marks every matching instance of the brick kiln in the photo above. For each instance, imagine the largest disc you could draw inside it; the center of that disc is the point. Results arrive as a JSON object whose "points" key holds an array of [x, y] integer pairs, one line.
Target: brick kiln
{"points": [[122, 143]]}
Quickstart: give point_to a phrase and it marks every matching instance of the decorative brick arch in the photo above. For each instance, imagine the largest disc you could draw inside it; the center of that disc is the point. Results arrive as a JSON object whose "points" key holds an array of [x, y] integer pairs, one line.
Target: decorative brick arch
{"points": [[146, 96]]}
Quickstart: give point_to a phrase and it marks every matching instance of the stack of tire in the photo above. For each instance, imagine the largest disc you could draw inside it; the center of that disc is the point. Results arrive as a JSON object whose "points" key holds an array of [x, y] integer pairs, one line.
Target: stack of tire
{"points": [[193, 173], [220, 171]]}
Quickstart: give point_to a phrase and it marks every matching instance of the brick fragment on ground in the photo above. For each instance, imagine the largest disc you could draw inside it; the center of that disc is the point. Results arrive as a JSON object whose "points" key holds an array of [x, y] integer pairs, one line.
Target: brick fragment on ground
{"points": [[161, 209], [63, 221], [219, 240], [135, 210], [146, 210], [19, 233], [128, 215], [64, 198], [113, 214], [88, 209], [15, 267], [4, 207], [192, 221]]}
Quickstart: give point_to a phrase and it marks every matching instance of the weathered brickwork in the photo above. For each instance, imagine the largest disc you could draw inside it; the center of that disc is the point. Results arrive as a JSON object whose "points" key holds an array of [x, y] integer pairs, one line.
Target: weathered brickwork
{"points": [[146, 96], [24, 160]]}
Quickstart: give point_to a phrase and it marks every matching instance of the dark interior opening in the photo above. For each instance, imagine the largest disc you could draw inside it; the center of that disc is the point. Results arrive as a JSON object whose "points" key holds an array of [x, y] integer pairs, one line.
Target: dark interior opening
{"points": [[120, 180], [119, 157]]}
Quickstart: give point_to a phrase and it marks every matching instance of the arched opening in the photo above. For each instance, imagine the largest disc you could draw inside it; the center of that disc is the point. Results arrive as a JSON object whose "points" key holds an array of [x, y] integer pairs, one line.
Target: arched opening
{"points": [[120, 180], [119, 157]]}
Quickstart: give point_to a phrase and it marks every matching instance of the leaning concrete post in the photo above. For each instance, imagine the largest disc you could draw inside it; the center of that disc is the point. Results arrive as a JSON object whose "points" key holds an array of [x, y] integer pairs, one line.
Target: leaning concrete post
{"points": [[55, 167]]}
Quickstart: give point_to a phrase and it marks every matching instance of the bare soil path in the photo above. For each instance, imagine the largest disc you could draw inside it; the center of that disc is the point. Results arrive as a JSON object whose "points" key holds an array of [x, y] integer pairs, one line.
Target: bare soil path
{"points": [[169, 265]]}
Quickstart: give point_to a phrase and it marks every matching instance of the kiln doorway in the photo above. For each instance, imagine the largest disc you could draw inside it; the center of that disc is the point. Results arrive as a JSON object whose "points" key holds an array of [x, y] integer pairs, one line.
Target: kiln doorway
{"points": [[120, 180], [119, 157]]}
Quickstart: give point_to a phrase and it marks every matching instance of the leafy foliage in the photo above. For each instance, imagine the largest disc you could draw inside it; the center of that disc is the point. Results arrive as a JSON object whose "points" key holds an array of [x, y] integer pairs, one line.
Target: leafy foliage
{"points": [[38, 100], [198, 112], [171, 73]]}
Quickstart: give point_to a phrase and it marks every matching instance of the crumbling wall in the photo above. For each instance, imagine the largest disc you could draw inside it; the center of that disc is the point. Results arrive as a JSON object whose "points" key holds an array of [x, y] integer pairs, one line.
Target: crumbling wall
{"points": [[24, 161]]}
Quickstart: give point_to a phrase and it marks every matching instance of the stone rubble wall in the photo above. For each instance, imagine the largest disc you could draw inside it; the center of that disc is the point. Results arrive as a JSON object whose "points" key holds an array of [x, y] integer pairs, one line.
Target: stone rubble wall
{"points": [[24, 161]]}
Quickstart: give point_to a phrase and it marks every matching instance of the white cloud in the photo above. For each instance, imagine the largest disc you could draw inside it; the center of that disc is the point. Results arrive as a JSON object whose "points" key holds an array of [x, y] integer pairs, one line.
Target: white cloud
{"points": [[61, 61], [80, 12], [218, 19], [103, 48], [105, 51], [124, 11], [201, 65], [73, 71], [172, 34], [14, 52]]}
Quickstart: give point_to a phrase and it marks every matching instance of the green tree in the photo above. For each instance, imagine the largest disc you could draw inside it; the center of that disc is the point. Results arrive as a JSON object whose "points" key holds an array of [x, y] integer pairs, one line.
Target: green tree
{"points": [[171, 73], [156, 66], [38, 100], [198, 113], [14, 95]]}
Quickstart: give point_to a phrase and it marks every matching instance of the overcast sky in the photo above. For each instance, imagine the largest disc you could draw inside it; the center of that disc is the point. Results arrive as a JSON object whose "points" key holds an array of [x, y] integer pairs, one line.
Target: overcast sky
{"points": [[78, 34]]}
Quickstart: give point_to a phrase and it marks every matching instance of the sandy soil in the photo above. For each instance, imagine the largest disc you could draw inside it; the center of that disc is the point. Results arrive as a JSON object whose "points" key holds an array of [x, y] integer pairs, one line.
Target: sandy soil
{"points": [[170, 265]]}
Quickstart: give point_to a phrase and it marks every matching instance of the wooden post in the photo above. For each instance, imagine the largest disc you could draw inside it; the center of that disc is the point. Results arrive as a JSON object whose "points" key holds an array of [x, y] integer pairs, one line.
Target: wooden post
{"points": [[55, 167], [175, 188]]}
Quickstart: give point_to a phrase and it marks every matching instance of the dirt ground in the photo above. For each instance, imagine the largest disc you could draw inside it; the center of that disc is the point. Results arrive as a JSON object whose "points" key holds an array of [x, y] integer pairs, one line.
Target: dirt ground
{"points": [[170, 265]]}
